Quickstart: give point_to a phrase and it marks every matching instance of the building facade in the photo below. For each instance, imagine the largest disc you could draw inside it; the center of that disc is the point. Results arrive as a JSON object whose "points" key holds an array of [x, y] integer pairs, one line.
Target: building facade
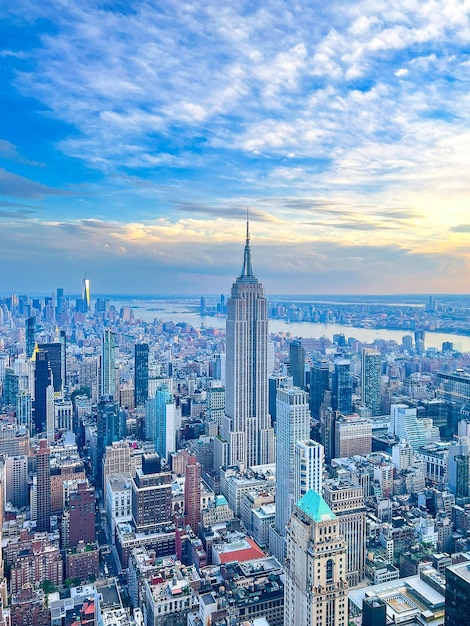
{"points": [[370, 380], [247, 425], [141, 374], [316, 590]]}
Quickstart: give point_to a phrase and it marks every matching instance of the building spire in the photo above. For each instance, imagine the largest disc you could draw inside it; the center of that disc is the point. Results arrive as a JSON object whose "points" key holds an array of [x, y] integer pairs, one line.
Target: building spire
{"points": [[247, 270]]}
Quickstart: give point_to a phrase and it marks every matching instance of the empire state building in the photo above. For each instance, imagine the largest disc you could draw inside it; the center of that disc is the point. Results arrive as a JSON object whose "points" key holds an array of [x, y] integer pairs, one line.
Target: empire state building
{"points": [[247, 423]]}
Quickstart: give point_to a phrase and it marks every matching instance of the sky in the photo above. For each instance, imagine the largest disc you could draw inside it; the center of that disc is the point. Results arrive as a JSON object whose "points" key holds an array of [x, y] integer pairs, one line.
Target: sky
{"points": [[134, 135]]}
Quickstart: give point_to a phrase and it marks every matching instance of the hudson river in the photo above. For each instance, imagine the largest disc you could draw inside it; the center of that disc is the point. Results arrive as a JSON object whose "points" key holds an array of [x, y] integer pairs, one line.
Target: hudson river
{"points": [[176, 312]]}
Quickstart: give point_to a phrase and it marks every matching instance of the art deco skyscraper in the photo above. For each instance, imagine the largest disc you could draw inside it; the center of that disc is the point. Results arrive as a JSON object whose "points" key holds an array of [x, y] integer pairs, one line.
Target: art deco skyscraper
{"points": [[346, 499], [316, 590], [247, 424]]}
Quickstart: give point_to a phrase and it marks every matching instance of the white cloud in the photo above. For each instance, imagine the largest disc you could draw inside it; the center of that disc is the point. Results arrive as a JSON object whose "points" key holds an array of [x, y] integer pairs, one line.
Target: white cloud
{"points": [[268, 99]]}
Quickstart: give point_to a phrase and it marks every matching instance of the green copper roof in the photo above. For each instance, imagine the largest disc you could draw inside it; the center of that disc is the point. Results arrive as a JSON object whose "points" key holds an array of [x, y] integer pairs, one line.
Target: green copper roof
{"points": [[315, 507]]}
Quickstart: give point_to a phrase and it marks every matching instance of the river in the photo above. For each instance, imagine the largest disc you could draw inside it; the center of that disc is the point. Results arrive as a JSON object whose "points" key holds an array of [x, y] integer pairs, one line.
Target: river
{"points": [[174, 311]]}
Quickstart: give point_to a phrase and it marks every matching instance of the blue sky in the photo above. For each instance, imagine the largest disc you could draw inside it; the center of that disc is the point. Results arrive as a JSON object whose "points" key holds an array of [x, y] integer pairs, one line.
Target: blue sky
{"points": [[135, 134]]}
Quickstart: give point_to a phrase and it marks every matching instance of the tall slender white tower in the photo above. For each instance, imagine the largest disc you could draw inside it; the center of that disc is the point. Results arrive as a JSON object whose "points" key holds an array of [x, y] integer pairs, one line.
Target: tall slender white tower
{"points": [[108, 364], [247, 424], [292, 425]]}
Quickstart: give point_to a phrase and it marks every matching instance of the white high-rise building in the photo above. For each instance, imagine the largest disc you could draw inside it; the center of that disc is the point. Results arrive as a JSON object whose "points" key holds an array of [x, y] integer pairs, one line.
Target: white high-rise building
{"points": [[16, 480], [402, 456], [247, 424], [405, 424], [292, 425], [50, 414], [108, 364], [309, 457]]}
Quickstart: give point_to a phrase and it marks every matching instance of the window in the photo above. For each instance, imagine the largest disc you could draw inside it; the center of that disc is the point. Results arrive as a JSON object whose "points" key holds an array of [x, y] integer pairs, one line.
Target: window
{"points": [[329, 571]]}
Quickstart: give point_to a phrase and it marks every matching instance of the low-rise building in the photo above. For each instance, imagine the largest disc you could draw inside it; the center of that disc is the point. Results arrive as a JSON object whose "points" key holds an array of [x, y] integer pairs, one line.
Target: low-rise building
{"points": [[171, 595]]}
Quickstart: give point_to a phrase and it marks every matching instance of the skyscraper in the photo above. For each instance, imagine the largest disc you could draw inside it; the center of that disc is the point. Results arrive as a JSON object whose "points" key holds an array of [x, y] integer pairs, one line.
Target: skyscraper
{"points": [[405, 424], [108, 364], [50, 414], [309, 457], [370, 380], [297, 363], [141, 373], [458, 594], [160, 421], [56, 357], [110, 427], [316, 591], [319, 383], [151, 500], [42, 379], [60, 301], [24, 409], [44, 487], [86, 293], [215, 406], [192, 494], [342, 387], [346, 499], [81, 506], [30, 336], [292, 425], [247, 425]]}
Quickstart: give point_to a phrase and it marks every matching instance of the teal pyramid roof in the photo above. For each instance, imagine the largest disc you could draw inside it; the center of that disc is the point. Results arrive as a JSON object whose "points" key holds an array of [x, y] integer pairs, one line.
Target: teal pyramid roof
{"points": [[313, 505]]}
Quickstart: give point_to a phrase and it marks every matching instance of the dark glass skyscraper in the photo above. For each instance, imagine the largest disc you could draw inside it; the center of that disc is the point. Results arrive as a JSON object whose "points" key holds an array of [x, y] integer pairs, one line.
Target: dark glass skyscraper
{"points": [[319, 383], [110, 426], [297, 363], [30, 336], [458, 594], [56, 363], [141, 373], [342, 387], [370, 380]]}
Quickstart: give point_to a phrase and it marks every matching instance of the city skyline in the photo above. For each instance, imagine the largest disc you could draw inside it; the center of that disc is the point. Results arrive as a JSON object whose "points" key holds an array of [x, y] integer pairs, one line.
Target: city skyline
{"points": [[133, 137]]}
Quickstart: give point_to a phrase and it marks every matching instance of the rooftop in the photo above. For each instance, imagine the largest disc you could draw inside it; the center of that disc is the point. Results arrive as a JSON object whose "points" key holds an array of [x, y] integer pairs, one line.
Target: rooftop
{"points": [[462, 570], [313, 505]]}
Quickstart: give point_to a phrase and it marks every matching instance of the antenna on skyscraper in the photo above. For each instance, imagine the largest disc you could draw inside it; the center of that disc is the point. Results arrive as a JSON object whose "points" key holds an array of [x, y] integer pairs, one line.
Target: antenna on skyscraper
{"points": [[247, 269]]}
